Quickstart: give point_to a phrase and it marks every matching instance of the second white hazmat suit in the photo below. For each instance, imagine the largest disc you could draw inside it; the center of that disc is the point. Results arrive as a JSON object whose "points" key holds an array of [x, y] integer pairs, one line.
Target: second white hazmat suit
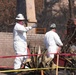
{"points": [[52, 42]]}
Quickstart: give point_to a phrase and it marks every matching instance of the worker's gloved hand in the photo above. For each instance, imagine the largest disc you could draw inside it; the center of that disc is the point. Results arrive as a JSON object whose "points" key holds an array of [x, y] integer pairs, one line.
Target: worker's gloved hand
{"points": [[34, 26]]}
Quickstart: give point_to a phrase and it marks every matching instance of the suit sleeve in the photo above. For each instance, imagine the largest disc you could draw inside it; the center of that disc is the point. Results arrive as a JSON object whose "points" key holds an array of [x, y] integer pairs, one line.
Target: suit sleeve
{"points": [[23, 29], [58, 40]]}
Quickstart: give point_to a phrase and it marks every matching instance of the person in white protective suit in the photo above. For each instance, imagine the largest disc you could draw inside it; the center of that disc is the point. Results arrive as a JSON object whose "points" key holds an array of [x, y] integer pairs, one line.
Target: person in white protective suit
{"points": [[20, 40], [52, 42]]}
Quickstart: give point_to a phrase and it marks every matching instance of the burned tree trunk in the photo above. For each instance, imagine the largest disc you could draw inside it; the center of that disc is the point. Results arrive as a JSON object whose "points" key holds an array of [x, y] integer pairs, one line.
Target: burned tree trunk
{"points": [[71, 6]]}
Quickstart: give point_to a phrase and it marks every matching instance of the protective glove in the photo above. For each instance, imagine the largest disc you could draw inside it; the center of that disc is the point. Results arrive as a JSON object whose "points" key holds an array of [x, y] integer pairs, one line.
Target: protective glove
{"points": [[34, 26]]}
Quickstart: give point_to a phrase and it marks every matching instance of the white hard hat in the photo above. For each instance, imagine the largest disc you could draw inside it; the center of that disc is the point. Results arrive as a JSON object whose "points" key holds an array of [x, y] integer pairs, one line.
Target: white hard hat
{"points": [[53, 25], [20, 17]]}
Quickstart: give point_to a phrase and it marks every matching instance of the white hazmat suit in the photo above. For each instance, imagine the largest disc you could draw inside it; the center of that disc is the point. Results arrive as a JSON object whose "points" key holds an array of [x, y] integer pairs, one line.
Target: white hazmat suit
{"points": [[52, 41], [20, 43]]}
